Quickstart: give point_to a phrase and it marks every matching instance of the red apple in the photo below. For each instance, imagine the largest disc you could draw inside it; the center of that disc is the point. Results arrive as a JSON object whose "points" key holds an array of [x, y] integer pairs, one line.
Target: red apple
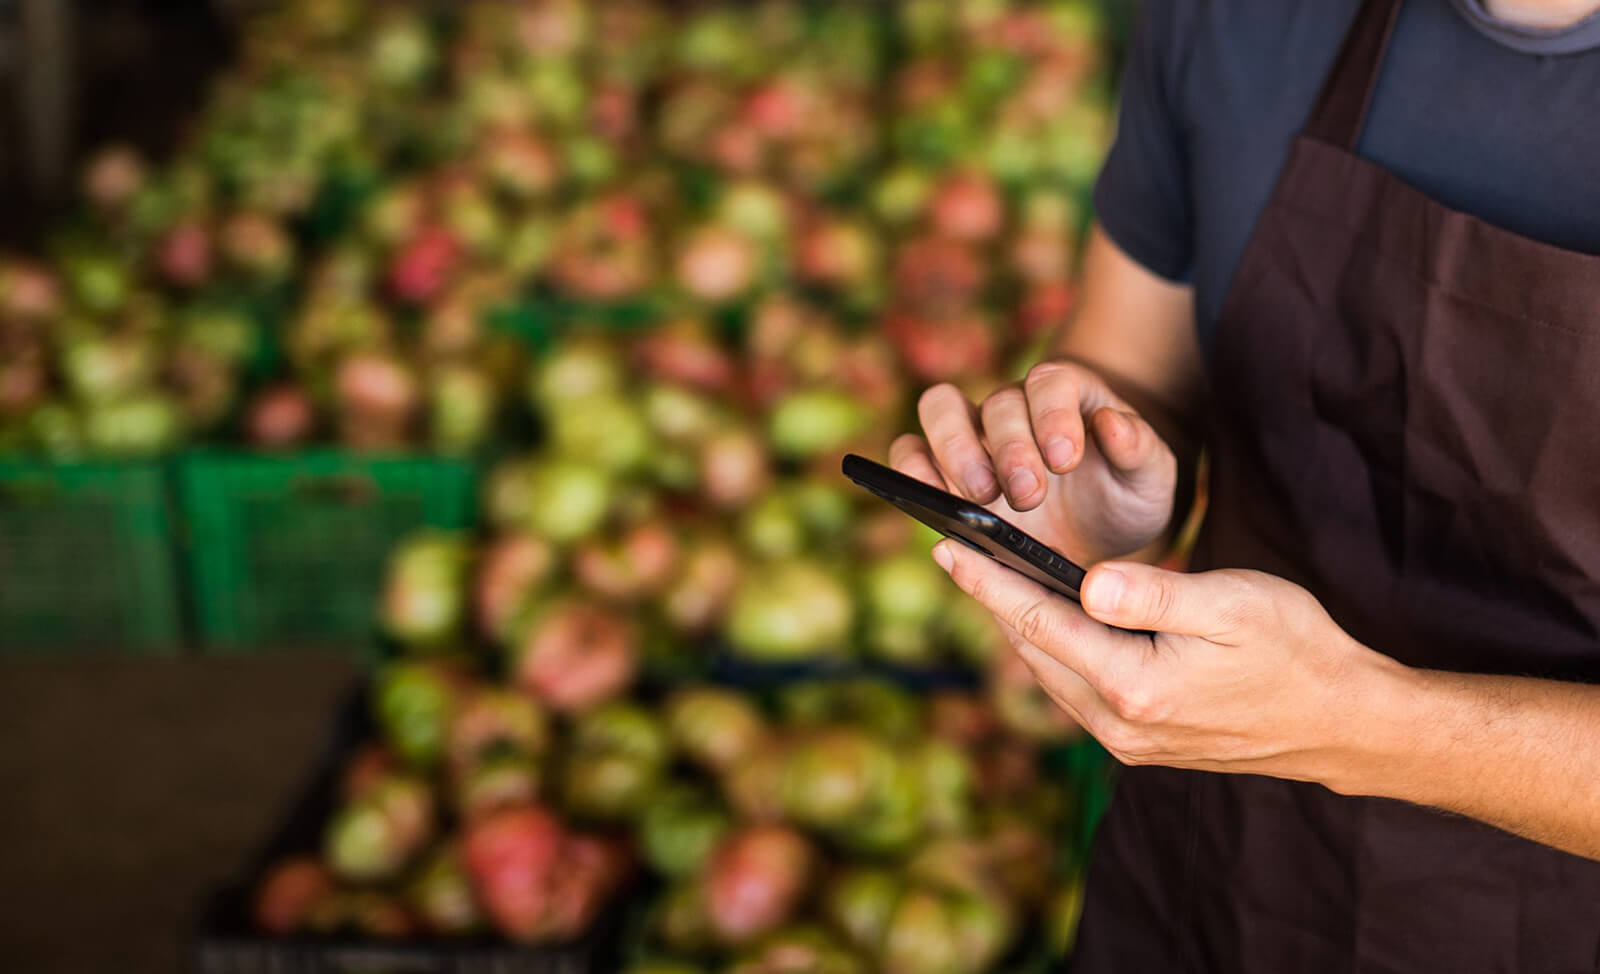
{"points": [[698, 596], [512, 856], [113, 176], [943, 349], [684, 351], [716, 263], [778, 108], [576, 656], [280, 416], [837, 253], [520, 162], [637, 565], [291, 890], [735, 468], [1045, 307], [28, 291], [185, 254], [422, 267], [511, 570], [493, 717], [257, 244], [934, 274], [755, 881], [967, 207]]}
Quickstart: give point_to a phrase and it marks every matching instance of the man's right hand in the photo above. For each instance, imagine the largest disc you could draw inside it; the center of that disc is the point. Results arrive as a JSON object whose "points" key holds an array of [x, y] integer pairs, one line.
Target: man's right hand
{"points": [[1058, 454]]}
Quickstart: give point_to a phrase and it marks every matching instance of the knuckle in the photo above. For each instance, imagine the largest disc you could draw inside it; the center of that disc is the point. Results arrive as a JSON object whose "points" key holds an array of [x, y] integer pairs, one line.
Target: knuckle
{"points": [[906, 444], [1135, 705], [1162, 598], [1015, 452], [1036, 623], [1294, 598], [1003, 400], [957, 443], [1056, 376], [1053, 417], [1248, 602]]}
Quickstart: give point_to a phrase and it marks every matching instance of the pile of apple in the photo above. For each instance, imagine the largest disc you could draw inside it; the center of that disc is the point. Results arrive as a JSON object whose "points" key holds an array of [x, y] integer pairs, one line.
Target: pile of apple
{"points": [[686, 501], [374, 185], [823, 826], [540, 757]]}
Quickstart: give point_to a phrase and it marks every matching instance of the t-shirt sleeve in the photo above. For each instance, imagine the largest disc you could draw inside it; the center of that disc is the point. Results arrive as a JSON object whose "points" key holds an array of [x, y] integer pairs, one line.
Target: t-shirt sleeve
{"points": [[1142, 198]]}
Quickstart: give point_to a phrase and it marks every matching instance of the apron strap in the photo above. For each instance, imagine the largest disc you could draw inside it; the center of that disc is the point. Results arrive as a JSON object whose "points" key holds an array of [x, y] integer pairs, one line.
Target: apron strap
{"points": [[1341, 111]]}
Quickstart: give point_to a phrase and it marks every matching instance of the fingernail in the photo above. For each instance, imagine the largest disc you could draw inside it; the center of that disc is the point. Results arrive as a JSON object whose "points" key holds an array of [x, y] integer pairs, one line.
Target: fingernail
{"points": [[941, 555], [1104, 591], [1058, 452], [979, 481], [1022, 482]]}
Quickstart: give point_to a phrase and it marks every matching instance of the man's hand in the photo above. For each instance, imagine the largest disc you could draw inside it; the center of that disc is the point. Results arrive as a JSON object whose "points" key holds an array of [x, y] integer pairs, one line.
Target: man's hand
{"points": [[1244, 672], [1058, 454]]}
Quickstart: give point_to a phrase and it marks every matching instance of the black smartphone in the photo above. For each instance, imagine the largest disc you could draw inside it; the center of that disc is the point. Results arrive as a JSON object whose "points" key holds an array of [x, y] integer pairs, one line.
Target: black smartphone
{"points": [[966, 522]]}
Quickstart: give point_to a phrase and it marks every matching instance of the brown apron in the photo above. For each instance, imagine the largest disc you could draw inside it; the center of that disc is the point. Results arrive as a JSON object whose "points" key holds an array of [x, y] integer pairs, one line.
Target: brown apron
{"points": [[1407, 423]]}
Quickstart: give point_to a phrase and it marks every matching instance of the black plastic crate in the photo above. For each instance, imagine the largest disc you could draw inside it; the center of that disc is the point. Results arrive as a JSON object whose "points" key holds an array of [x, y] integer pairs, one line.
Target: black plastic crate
{"points": [[226, 942]]}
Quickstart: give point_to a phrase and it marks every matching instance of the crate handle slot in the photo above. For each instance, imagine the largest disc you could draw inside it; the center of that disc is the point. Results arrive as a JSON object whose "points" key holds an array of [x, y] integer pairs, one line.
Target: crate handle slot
{"points": [[347, 488]]}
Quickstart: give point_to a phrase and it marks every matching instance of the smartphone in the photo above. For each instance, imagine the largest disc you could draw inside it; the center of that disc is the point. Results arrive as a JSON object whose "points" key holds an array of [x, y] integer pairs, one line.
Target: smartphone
{"points": [[966, 522]]}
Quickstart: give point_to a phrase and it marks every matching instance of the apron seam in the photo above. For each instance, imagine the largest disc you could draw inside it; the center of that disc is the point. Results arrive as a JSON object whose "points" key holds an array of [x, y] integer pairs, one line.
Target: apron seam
{"points": [[1191, 850], [1373, 248], [1363, 820]]}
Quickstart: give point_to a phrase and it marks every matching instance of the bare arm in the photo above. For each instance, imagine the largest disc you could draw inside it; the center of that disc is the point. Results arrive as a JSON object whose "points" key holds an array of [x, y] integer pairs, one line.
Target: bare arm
{"points": [[1247, 673], [1518, 753]]}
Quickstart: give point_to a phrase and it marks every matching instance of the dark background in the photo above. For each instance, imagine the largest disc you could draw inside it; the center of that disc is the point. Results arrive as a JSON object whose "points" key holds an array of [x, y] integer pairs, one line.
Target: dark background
{"points": [[133, 71], [128, 788]]}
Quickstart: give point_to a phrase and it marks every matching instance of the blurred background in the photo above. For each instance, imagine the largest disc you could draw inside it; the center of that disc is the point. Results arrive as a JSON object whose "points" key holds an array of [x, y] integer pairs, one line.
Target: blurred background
{"points": [[422, 545]]}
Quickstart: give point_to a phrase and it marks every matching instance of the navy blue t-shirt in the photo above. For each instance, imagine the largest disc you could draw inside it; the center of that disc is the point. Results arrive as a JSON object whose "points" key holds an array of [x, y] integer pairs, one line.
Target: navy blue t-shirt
{"points": [[1494, 120]]}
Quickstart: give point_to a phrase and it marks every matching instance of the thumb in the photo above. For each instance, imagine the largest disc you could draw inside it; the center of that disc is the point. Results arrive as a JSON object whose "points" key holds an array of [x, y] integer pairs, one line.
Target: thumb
{"points": [[1136, 596]]}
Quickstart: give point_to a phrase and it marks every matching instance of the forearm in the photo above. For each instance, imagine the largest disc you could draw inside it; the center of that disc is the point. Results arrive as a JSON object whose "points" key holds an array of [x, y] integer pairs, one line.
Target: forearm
{"points": [[1518, 753]]}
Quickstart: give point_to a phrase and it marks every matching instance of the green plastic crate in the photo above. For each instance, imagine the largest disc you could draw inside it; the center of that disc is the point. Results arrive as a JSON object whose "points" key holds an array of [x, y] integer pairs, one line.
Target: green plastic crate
{"points": [[87, 559], [288, 552]]}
